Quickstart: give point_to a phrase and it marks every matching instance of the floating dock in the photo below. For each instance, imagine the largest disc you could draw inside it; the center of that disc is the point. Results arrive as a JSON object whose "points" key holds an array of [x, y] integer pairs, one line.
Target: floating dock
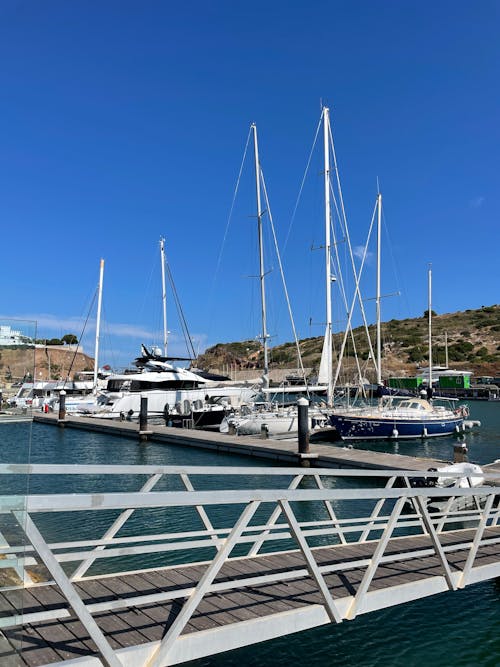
{"points": [[322, 455]]}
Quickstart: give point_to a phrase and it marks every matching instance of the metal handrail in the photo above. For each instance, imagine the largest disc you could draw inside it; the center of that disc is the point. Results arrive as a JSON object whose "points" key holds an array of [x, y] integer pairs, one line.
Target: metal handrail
{"points": [[383, 526]]}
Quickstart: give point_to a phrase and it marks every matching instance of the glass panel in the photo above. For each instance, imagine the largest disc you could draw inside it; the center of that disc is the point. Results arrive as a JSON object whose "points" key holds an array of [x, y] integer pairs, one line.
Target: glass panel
{"points": [[17, 376]]}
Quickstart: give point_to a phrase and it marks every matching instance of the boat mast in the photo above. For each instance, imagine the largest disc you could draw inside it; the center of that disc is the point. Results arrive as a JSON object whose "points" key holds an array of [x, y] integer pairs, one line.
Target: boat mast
{"points": [[264, 336], [163, 296], [379, 244], [446, 349], [430, 328], [98, 326], [328, 276]]}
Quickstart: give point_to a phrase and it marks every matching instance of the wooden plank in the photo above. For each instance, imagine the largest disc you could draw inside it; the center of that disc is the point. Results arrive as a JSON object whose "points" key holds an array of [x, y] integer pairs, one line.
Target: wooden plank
{"points": [[20, 600], [9, 657]]}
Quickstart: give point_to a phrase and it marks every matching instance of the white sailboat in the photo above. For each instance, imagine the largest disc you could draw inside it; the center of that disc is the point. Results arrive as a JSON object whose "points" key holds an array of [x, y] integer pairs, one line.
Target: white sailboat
{"points": [[266, 415], [81, 394]]}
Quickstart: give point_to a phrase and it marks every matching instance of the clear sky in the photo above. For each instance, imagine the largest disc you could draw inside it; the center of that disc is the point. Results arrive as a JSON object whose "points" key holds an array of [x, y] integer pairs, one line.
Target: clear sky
{"points": [[122, 122]]}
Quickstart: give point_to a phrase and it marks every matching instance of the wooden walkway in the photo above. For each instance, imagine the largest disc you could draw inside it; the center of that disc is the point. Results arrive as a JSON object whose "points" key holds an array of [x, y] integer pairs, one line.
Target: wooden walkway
{"points": [[256, 605], [337, 544], [325, 455]]}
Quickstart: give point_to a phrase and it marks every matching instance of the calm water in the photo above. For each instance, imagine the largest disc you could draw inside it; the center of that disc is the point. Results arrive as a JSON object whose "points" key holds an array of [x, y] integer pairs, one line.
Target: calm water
{"points": [[460, 629]]}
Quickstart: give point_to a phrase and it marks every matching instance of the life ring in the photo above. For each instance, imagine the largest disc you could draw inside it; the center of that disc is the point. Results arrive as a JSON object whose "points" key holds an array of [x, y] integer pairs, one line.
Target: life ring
{"points": [[464, 410]]}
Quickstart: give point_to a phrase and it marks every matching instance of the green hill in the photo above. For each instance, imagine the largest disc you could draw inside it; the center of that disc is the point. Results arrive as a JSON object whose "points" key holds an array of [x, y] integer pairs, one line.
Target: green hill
{"points": [[473, 344]]}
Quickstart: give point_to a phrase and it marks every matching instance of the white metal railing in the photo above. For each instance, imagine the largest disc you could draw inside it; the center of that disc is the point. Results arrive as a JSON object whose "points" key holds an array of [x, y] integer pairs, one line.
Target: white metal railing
{"points": [[342, 506]]}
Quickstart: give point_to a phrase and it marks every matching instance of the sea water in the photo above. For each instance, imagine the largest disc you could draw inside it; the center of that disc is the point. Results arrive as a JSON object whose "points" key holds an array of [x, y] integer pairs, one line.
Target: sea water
{"points": [[458, 629]]}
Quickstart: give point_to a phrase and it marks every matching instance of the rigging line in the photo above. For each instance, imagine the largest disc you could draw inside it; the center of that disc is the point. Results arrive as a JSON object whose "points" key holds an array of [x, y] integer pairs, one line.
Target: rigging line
{"points": [[348, 238], [219, 258], [338, 267], [83, 331], [292, 220], [283, 280], [356, 293], [107, 338], [395, 266], [187, 337], [152, 264]]}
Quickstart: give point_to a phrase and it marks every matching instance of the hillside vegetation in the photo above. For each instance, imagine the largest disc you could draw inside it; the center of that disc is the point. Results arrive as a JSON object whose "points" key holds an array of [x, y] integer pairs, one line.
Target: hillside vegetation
{"points": [[473, 344]]}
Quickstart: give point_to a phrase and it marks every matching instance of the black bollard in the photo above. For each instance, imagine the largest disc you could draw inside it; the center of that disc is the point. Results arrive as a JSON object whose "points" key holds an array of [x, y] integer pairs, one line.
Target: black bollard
{"points": [[304, 454], [143, 416], [62, 408], [303, 426]]}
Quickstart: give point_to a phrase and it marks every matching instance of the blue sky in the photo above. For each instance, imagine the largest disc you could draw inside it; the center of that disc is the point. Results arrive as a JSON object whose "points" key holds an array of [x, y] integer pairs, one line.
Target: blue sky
{"points": [[126, 121]]}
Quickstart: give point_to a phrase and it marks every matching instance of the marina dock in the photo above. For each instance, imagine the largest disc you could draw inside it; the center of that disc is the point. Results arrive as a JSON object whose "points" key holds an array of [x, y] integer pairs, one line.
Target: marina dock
{"points": [[323, 455]]}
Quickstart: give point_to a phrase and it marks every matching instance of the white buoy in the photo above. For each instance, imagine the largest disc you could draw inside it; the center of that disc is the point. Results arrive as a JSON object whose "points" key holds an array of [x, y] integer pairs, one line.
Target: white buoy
{"points": [[424, 434], [395, 433]]}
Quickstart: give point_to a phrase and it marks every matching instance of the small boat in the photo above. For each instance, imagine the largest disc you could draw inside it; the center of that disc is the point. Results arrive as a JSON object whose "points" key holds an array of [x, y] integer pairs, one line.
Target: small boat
{"points": [[271, 421], [460, 475]]}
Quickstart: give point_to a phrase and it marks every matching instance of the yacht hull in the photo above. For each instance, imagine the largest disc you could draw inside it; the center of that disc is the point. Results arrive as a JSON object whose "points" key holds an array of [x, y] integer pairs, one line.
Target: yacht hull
{"points": [[352, 427]]}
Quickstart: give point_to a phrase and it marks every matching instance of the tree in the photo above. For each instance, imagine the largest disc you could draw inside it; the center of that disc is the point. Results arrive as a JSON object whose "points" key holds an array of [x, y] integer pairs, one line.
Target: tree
{"points": [[426, 314], [70, 339]]}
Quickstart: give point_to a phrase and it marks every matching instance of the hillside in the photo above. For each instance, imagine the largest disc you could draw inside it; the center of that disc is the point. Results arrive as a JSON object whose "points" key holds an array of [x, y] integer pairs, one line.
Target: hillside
{"points": [[473, 344], [49, 362]]}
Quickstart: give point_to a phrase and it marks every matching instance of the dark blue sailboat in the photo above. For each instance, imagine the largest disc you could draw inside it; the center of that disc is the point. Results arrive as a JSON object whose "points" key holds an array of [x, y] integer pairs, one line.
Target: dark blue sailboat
{"points": [[398, 419]]}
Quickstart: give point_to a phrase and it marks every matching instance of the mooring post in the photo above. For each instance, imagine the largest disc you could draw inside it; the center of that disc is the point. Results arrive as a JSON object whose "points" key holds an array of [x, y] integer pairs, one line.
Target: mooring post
{"points": [[143, 418], [303, 433], [62, 408], [303, 422]]}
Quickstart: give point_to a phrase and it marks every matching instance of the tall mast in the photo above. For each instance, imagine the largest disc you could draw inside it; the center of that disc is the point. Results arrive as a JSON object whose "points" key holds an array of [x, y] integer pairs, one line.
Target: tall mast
{"points": [[446, 349], [163, 296], [98, 326], [265, 375], [379, 244], [430, 326], [328, 276]]}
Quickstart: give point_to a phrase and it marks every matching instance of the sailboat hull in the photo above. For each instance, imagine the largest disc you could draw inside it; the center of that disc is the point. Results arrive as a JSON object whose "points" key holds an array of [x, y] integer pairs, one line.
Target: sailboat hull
{"points": [[352, 427]]}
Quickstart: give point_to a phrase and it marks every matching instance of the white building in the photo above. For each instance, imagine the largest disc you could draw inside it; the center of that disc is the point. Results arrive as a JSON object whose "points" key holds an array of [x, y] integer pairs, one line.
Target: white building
{"points": [[9, 336]]}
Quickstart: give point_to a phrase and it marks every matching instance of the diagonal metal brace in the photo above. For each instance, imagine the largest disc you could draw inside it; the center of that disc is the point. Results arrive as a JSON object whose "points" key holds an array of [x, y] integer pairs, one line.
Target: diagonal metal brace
{"points": [[464, 577], [107, 655], [375, 561], [435, 542], [312, 566], [159, 656], [114, 528]]}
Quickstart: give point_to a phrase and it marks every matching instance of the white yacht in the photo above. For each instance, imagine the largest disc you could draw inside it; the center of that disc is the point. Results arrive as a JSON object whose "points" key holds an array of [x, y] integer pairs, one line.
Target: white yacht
{"points": [[169, 389]]}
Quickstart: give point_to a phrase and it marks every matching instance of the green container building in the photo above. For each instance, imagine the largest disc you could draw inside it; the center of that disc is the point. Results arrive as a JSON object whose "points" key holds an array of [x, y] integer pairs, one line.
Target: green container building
{"points": [[454, 382]]}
